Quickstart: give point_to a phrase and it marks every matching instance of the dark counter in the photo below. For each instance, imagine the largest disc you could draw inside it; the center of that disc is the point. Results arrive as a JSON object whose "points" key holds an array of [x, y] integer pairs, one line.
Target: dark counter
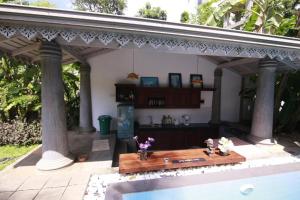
{"points": [[180, 126], [178, 137]]}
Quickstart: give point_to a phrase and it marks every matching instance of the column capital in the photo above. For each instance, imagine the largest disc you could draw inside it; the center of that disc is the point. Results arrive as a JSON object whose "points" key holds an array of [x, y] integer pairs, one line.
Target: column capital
{"points": [[268, 63], [218, 72], [50, 49], [85, 68]]}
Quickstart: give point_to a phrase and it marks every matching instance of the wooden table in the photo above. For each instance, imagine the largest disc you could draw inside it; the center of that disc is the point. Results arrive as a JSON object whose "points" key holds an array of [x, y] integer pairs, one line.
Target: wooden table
{"points": [[130, 163]]}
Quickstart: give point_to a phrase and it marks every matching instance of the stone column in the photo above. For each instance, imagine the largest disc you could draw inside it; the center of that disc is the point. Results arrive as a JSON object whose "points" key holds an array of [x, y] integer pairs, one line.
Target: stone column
{"points": [[54, 131], [216, 103], [85, 121], [262, 122]]}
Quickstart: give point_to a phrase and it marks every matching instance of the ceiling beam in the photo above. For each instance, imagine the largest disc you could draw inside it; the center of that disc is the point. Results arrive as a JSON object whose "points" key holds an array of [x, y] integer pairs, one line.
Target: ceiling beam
{"points": [[34, 46], [74, 54], [290, 64], [242, 61], [210, 59], [98, 53]]}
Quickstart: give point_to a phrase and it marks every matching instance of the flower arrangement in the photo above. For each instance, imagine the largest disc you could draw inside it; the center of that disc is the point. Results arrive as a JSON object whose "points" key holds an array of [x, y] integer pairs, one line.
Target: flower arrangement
{"points": [[210, 146], [225, 145], [143, 147]]}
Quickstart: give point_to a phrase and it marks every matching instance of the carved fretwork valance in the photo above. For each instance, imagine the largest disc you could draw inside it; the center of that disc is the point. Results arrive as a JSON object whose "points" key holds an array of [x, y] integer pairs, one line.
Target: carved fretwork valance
{"points": [[197, 46]]}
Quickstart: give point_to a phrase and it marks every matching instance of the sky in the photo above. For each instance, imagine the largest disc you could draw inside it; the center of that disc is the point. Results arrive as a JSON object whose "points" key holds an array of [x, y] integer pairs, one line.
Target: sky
{"points": [[173, 12], [62, 4]]}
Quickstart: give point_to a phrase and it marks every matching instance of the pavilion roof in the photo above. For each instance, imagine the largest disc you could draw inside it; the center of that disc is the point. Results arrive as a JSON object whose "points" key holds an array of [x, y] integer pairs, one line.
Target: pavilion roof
{"points": [[85, 34]]}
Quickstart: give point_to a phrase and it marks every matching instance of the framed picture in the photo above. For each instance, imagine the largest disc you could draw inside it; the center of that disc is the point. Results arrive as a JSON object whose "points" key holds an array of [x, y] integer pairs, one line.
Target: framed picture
{"points": [[196, 81], [149, 82], [175, 80]]}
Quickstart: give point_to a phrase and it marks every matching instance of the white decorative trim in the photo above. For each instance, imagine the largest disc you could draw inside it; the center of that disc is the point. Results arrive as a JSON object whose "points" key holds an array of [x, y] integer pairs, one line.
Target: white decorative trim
{"points": [[67, 35], [49, 34], [201, 47], [88, 37], [29, 33]]}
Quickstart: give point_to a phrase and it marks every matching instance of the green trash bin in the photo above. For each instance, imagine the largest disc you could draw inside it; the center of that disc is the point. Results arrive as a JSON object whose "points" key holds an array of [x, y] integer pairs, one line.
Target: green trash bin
{"points": [[104, 123]]}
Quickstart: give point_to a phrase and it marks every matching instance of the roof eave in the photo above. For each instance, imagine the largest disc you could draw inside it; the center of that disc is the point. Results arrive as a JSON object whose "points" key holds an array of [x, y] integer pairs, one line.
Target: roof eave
{"points": [[95, 21]]}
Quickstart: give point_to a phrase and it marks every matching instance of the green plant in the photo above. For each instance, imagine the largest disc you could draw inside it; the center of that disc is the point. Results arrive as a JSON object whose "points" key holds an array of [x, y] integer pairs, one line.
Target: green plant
{"points": [[185, 17], [20, 91], [152, 12], [17, 132], [103, 6]]}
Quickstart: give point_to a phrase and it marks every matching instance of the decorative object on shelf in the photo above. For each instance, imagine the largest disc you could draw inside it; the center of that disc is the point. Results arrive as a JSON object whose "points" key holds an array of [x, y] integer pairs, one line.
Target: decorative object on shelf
{"points": [[175, 80], [225, 146], [186, 119], [149, 82], [132, 76], [196, 80], [143, 147], [167, 120], [210, 146], [156, 102], [125, 93]]}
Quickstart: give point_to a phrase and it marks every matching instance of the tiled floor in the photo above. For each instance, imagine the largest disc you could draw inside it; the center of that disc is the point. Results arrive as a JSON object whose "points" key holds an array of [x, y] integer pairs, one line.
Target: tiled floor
{"points": [[25, 182]]}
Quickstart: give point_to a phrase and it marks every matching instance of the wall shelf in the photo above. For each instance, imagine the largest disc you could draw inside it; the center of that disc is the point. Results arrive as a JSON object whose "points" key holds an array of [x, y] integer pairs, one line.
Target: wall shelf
{"points": [[160, 97]]}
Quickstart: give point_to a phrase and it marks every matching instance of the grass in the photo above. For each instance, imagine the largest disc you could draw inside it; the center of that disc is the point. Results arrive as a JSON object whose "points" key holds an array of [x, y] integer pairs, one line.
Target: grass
{"points": [[11, 151]]}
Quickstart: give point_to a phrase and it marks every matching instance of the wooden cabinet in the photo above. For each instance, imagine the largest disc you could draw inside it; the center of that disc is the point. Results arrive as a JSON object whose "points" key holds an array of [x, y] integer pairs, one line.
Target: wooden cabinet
{"points": [[160, 97], [178, 138]]}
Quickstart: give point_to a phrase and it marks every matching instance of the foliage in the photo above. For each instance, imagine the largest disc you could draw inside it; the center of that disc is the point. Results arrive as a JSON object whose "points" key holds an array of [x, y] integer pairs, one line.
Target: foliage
{"points": [[20, 91], [43, 3], [185, 17], [289, 111], [17, 132], [38, 3], [102, 6], [152, 12], [72, 98], [264, 16], [221, 8], [9, 153], [20, 2]]}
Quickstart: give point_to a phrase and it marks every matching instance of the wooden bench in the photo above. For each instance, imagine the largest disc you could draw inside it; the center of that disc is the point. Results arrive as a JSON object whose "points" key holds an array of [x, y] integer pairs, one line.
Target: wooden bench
{"points": [[131, 163]]}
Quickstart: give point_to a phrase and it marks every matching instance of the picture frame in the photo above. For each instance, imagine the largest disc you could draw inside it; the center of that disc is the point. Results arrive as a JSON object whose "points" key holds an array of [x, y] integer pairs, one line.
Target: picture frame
{"points": [[196, 80], [175, 80], [149, 82]]}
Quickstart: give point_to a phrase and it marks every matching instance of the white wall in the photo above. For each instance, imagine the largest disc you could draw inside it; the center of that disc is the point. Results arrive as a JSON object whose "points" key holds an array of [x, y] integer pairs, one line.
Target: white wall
{"points": [[113, 67]]}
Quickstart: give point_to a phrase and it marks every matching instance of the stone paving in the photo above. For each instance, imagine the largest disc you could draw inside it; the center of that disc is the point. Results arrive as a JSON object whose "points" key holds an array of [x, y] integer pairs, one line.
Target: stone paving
{"points": [[24, 182]]}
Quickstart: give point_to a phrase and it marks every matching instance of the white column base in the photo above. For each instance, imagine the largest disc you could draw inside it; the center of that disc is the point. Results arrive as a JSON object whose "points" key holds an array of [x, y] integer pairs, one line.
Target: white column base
{"points": [[53, 160], [262, 141]]}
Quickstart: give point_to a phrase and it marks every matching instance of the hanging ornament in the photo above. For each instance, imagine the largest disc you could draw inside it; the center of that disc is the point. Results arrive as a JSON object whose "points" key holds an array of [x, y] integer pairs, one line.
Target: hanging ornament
{"points": [[132, 75]]}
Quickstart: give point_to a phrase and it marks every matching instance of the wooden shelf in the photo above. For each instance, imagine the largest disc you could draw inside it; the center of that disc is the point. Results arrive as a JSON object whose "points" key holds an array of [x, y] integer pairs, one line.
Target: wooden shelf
{"points": [[160, 97]]}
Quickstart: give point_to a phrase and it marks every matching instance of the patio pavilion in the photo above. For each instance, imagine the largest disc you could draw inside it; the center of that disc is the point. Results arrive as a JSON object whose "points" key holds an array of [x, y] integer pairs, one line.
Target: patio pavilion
{"points": [[54, 37]]}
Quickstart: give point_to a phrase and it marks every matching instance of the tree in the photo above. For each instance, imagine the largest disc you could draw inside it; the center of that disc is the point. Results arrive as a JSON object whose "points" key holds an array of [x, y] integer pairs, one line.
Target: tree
{"points": [[37, 3], [20, 91], [185, 17], [152, 12], [20, 2], [43, 3], [263, 16], [102, 6]]}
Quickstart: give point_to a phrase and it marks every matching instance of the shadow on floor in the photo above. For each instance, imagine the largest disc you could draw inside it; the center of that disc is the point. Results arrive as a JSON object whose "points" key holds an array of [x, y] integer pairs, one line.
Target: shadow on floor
{"points": [[79, 144]]}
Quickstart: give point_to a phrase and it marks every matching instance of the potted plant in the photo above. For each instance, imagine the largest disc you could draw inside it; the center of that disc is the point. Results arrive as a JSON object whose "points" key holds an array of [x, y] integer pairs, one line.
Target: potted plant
{"points": [[225, 146], [143, 147]]}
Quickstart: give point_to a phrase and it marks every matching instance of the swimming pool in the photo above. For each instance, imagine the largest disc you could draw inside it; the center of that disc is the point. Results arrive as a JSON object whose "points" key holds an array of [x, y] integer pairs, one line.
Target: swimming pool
{"points": [[283, 186]]}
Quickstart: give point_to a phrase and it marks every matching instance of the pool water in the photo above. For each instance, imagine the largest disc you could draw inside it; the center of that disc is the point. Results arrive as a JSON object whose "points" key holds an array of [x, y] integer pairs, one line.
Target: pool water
{"points": [[284, 186]]}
